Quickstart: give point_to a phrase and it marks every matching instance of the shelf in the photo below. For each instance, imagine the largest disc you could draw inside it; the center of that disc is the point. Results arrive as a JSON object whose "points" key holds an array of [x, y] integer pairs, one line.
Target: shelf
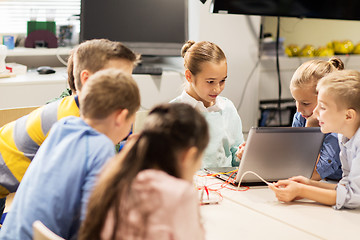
{"points": [[21, 51], [291, 63]]}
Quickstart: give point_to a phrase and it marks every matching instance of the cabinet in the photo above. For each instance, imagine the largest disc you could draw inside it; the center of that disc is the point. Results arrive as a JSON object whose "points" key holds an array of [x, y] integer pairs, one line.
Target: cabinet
{"points": [[33, 89]]}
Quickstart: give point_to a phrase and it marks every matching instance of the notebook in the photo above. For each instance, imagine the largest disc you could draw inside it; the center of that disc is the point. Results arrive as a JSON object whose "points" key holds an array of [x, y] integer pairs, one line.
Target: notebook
{"points": [[276, 153]]}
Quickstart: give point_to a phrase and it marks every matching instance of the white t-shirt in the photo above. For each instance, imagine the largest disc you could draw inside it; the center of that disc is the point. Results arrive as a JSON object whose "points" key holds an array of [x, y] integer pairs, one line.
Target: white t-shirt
{"points": [[225, 130]]}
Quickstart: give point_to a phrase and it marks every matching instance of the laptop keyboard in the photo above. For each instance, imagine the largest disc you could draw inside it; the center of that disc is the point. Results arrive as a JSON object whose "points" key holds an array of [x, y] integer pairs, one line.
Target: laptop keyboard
{"points": [[146, 69]]}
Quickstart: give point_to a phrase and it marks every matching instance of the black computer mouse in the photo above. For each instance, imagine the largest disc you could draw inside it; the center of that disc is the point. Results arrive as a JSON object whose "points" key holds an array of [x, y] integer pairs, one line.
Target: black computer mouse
{"points": [[45, 70]]}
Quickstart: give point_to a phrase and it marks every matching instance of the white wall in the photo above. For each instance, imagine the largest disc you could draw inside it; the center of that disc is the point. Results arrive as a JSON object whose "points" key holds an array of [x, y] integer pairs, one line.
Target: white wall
{"points": [[317, 32], [237, 35]]}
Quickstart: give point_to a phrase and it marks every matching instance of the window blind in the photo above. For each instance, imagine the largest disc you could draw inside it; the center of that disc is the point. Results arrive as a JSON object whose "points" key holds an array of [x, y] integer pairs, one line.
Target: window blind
{"points": [[14, 14]]}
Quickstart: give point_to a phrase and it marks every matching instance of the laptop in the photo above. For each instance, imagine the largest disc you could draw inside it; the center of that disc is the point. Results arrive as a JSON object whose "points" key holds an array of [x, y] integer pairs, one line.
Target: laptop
{"points": [[275, 153]]}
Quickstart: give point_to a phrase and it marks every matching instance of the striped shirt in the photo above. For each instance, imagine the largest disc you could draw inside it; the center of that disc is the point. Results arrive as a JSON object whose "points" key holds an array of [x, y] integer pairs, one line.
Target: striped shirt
{"points": [[20, 140]]}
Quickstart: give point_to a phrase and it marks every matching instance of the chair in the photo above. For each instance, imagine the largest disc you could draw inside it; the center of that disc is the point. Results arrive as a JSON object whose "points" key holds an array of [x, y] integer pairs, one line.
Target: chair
{"points": [[8, 115], [41, 232], [11, 114]]}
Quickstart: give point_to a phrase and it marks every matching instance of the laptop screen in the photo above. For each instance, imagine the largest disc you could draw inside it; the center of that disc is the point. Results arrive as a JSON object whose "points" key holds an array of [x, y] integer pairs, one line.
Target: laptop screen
{"points": [[276, 153]]}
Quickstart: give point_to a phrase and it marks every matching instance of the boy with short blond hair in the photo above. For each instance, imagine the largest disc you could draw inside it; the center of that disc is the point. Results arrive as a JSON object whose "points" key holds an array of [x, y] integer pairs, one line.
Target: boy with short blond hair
{"points": [[338, 111], [57, 184], [20, 139]]}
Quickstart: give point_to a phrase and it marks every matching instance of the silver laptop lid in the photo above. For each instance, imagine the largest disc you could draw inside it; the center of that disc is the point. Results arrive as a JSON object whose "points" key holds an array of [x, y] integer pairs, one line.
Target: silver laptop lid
{"points": [[277, 153]]}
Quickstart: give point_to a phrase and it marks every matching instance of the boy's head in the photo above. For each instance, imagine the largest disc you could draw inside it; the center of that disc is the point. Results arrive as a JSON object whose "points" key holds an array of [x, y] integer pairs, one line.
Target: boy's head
{"points": [[111, 92], [338, 107], [97, 54]]}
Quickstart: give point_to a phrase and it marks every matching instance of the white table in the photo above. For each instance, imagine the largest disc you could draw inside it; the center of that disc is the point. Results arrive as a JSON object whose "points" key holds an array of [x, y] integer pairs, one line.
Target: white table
{"points": [[229, 220], [259, 213], [31, 89]]}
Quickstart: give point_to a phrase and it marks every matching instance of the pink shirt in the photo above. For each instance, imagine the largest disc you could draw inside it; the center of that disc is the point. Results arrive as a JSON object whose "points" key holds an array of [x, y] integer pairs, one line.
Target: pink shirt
{"points": [[171, 204]]}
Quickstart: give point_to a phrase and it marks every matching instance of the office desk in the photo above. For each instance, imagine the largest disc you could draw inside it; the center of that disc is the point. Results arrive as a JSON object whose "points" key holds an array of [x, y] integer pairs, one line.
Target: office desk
{"points": [[314, 220], [31, 89]]}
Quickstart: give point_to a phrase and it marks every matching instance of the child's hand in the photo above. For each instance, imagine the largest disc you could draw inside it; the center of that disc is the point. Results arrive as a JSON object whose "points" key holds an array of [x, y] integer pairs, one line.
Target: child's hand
{"points": [[286, 190], [134, 136], [301, 179], [312, 121], [240, 151]]}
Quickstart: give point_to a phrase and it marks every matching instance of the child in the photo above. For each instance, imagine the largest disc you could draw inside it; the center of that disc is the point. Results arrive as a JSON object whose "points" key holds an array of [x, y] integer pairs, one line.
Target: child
{"points": [[303, 89], [338, 110], [20, 140], [57, 184], [206, 72], [146, 191]]}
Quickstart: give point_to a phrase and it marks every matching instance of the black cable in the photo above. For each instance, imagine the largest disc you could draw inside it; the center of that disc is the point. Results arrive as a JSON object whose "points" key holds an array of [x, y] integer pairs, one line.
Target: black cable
{"points": [[278, 68]]}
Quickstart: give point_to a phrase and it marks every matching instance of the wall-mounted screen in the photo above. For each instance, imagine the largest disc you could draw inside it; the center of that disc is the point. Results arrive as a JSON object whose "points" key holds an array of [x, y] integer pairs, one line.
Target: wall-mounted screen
{"points": [[149, 27], [329, 9]]}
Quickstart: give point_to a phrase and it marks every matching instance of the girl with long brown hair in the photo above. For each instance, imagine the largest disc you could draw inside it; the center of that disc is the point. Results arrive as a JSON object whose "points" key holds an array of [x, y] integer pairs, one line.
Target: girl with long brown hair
{"points": [[146, 191]]}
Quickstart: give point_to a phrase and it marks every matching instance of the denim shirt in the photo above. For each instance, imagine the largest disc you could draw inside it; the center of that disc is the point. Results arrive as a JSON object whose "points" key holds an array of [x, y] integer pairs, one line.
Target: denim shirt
{"points": [[329, 165]]}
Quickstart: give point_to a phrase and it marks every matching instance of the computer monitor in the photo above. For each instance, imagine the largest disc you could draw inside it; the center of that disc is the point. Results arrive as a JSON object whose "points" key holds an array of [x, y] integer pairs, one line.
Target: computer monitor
{"points": [[154, 28], [330, 9]]}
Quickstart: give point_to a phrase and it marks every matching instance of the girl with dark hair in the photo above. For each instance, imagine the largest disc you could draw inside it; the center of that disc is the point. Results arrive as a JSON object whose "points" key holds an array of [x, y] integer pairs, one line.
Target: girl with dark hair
{"points": [[146, 191]]}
